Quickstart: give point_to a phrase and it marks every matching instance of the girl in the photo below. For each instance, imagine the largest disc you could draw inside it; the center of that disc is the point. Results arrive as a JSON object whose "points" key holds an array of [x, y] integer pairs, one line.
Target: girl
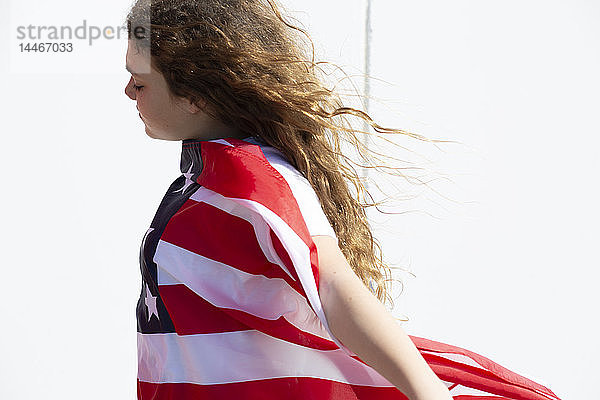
{"points": [[256, 266]]}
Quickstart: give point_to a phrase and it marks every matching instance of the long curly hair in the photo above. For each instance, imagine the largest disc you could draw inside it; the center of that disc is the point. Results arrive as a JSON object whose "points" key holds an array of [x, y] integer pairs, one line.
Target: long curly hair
{"points": [[257, 72]]}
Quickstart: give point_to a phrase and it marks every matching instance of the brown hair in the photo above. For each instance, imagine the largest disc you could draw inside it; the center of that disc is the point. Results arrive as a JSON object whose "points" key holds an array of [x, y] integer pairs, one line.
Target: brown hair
{"points": [[247, 62]]}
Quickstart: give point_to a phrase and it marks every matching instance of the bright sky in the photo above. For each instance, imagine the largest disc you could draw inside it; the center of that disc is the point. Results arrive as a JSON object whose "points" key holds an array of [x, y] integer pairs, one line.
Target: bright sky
{"points": [[504, 256]]}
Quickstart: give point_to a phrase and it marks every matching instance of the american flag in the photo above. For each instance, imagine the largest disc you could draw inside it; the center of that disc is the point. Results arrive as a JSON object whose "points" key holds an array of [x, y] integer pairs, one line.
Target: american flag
{"points": [[230, 308]]}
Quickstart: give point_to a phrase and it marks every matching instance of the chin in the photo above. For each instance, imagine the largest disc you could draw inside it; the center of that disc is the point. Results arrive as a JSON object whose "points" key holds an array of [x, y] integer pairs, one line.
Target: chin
{"points": [[148, 131], [151, 134], [159, 136]]}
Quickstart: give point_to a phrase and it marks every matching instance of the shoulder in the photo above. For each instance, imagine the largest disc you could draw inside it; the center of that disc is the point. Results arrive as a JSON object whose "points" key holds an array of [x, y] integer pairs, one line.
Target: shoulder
{"points": [[236, 168], [251, 168], [303, 192]]}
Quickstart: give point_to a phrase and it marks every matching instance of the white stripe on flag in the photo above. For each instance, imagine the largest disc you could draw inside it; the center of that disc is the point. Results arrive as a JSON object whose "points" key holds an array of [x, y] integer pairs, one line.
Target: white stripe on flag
{"points": [[259, 216], [261, 229], [461, 358], [227, 287], [467, 391], [210, 359], [226, 143]]}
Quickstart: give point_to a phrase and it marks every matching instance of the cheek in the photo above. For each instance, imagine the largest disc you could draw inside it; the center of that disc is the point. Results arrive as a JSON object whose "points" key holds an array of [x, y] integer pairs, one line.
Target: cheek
{"points": [[153, 111], [142, 103]]}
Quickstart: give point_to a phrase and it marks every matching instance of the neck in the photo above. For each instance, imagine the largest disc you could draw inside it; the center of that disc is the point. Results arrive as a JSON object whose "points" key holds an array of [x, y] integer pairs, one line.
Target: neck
{"points": [[214, 129]]}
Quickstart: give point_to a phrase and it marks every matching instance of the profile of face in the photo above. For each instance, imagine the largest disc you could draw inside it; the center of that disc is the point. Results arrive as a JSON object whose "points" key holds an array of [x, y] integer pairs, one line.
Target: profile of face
{"points": [[166, 116]]}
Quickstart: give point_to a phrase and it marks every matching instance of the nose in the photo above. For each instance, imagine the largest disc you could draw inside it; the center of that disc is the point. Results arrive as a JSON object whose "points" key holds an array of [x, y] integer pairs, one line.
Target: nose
{"points": [[129, 91]]}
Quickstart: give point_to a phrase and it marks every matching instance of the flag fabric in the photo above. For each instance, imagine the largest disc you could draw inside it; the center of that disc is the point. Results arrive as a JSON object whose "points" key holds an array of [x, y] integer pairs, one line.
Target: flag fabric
{"points": [[230, 307]]}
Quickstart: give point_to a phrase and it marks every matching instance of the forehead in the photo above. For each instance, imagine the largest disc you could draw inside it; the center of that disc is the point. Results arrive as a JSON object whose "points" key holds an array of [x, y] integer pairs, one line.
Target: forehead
{"points": [[137, 60]]}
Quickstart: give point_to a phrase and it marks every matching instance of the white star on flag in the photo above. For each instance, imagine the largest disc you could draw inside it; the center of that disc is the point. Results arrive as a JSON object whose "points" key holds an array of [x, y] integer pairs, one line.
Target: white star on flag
{"points": [[188, 179], [150, 304]]}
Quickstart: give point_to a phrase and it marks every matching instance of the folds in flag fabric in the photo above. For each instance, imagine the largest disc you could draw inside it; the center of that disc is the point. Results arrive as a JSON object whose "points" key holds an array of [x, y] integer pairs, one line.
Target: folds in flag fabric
{"points": [[230, 307]]}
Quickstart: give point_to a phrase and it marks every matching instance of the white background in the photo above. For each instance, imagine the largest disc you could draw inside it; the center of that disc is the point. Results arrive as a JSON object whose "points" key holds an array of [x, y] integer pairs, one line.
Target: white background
{"points": [[506, 262]]}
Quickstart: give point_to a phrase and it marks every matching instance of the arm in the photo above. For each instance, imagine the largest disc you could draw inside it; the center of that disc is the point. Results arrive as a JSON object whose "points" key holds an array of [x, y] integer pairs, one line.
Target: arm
{"points": [[363, 324]]}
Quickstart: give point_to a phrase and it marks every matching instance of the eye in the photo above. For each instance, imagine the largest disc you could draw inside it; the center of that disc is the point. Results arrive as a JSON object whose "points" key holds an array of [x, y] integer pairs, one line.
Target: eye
{"points": [[135, 87]]}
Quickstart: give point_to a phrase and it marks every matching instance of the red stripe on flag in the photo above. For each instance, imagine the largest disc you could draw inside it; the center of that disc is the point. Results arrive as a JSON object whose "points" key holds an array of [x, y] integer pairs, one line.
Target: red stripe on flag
{"points": [[477, 378], [250, 176], [301, 388], [486, 363], [282, 329], [220, 236], [184, 307]]}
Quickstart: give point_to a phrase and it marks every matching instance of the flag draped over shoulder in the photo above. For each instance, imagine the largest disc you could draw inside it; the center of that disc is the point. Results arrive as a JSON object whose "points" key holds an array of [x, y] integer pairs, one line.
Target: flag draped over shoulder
{"points": [[230, 307]]}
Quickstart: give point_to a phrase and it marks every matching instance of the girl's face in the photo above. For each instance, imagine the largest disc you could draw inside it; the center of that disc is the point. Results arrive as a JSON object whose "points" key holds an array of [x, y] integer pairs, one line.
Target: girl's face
{"points": [[166, 116]]}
